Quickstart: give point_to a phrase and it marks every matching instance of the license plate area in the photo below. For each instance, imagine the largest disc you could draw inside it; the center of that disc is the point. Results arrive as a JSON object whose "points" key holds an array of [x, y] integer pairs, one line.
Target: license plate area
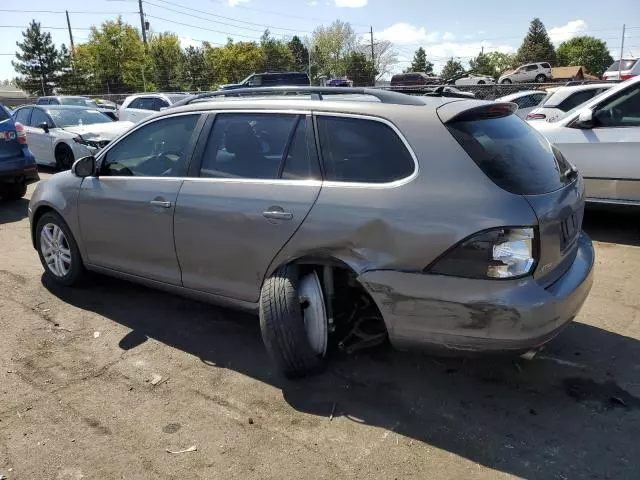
{"points": [[570, 228]]}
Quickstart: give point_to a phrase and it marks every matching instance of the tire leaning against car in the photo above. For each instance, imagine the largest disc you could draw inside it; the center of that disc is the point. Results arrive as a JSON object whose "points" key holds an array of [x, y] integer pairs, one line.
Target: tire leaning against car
{"points": [[77, 269], [282, 325]]}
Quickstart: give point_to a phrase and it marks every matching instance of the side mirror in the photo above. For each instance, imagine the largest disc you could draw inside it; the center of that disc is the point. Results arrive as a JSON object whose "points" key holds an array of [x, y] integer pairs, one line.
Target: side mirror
{"points": [[585, 119], [84, 167], [44, 127]]}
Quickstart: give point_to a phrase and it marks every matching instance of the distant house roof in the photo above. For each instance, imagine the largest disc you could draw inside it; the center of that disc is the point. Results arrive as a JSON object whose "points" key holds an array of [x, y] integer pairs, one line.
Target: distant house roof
{"points": [[12, 94], [575, 72]]}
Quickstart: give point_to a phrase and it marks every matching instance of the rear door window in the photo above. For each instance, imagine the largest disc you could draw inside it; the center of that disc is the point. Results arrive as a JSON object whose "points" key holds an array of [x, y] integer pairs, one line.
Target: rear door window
{"points": [[362, 151], [512, 154], [23, 115], [38, 117], [576, 99]]}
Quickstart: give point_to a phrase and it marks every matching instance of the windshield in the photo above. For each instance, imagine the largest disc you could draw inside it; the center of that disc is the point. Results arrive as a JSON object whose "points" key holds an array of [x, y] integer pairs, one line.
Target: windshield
{"points": [[577, 107], [626, 65], [78, 101], [77, 117]]}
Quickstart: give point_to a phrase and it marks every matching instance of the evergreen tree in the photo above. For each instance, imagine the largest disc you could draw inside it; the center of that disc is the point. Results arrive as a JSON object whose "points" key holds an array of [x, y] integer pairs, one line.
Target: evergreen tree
{"points": [[481, 65], [197, 75], [360, 70], [300, 54], [451, 68], [537, 46], [420, 63], [37, 61]]}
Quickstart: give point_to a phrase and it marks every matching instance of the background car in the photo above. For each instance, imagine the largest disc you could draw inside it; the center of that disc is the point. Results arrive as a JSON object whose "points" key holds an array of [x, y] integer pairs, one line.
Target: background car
{"points": [[78, 101], [17, 165], [254, 207], [471, 79], [60, 134], [413, 79], [563, 99], [136, 107], [529, 73], [271, 79], [630, 68], [526, 100], [602, 139]]}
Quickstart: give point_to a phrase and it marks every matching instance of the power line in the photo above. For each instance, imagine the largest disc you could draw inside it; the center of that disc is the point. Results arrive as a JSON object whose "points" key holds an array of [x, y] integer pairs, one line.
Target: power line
{"points": [[203, 28], [63, 11], [42, 26], [221, 16]]}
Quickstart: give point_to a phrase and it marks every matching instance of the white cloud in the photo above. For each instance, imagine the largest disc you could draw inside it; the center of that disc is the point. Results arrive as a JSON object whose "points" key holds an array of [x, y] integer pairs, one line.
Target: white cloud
{"points": [[465, 50], [448, 37], [233, 3], [407, 34], [186, 42], [312, 3], [568, 31], [350, 3]]}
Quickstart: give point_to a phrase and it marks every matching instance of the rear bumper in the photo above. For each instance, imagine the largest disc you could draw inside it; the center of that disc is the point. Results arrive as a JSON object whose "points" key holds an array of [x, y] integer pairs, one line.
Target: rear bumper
{"points": [[458, 314], [21, 170]]}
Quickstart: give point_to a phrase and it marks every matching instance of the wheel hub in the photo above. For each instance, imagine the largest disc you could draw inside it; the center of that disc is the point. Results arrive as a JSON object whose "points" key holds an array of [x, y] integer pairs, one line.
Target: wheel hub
{"points": [[314, 312]]}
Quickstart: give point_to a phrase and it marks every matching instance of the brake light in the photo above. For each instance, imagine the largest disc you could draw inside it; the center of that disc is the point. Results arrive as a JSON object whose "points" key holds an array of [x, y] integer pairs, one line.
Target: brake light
{"points": [[626, 76], [21, 135], [499, 253], [536, 116]]}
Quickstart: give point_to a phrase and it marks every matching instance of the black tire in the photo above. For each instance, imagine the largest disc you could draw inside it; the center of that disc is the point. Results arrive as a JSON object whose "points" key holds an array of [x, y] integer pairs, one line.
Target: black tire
{"points": [[481, 82], [506, 81], [282, 325], [77, 270], [541, 78], [13, 191], [64, 157]]}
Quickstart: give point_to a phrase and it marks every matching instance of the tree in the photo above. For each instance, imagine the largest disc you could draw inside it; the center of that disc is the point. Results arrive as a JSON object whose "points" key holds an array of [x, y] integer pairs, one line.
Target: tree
{"points": [[420, 62], [233, 62], [537, 46], [116, 58], [37, 61], [277, 55], [72, 80], [331, 46], [168, 61], [481, 65], [300, 54], [197, 75], [360, 70], [385, 57], [451, 68], [500, 62], [588, 52]]}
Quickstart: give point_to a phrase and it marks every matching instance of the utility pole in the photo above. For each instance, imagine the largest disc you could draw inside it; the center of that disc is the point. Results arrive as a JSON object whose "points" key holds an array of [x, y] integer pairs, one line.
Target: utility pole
{"points": [[70, 33], [142, 24], [373, 59], [621, 53]]}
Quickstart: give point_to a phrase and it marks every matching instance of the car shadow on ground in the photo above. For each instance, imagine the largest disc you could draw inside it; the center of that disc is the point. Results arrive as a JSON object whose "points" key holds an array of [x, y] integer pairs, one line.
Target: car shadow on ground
{"points": [[565, 414], [612, 224], [13, 210]]}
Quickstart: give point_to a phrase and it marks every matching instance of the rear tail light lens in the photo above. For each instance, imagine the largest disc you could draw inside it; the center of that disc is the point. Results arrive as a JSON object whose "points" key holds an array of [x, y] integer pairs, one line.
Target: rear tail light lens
{"points": [[502, 253], [536, 116], [21, 135], [626, 76]]}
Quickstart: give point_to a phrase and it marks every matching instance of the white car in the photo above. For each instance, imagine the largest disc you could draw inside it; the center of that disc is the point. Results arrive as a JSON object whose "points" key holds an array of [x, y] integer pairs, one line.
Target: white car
{"points": [[136, 107], [526, 100], [60, 134], [563, 99], [602, 139], [529, 73], [630, 68], [471, 79]]}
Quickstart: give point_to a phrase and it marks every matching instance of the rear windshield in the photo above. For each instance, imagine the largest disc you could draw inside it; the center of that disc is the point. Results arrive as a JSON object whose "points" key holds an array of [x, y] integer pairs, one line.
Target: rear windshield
{"points": [[512, 154], [176, 97], [626, 65]]}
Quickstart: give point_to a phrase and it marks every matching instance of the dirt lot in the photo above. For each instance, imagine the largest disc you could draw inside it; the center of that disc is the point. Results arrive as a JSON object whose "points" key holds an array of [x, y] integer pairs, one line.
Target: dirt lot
{"points": [[81, 395]]}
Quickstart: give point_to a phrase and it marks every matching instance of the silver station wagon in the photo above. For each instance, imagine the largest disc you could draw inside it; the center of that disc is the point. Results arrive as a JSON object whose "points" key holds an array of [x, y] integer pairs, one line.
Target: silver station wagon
{"points": [[343, 216]]}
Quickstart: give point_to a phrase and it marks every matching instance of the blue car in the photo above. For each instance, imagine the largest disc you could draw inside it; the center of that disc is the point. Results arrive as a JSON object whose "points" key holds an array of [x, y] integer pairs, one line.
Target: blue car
{"points": [[17, 164]]}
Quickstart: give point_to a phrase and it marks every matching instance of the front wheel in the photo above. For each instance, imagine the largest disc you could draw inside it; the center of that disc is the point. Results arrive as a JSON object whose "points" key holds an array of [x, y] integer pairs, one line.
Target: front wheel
{"points": [[541, 78], [64, 157], [13, 191], [506, 81], [58, 250], [293, 321]]}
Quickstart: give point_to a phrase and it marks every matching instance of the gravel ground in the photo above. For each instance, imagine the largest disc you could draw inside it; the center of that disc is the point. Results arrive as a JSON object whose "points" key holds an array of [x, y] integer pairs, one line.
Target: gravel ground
{"points": [[101, 382]]}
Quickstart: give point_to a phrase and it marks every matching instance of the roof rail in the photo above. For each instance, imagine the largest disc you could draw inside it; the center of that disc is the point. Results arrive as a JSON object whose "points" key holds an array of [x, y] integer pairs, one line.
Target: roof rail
{"points": [[317, 93], [573, 83]]}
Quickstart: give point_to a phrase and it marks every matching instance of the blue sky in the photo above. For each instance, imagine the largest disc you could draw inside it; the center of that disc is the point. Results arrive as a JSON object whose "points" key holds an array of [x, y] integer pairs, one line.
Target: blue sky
{"points": [[459, 28]]}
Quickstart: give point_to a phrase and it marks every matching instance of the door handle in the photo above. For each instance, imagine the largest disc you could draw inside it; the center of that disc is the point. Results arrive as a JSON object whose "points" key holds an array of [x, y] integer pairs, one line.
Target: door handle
{"points": [[277, 215], [160, 203]]}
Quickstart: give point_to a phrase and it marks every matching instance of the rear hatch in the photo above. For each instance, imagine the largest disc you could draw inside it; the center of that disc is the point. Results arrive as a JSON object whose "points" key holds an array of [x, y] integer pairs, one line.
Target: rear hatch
{"points": [[10, 148], [521, 161]]}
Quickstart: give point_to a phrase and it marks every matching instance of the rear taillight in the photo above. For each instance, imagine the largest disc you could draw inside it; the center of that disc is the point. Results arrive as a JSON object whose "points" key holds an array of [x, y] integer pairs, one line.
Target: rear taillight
{"points": [[500, 253], [536, 116], [21, 135], [626, 76]]}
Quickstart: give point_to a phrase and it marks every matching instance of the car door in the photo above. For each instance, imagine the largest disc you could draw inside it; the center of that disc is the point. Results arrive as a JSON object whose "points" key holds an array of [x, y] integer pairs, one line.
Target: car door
{"points": [[41, 141], [608, 154], [529, 74], [126, 212], [257, 180], [140, 108]]}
